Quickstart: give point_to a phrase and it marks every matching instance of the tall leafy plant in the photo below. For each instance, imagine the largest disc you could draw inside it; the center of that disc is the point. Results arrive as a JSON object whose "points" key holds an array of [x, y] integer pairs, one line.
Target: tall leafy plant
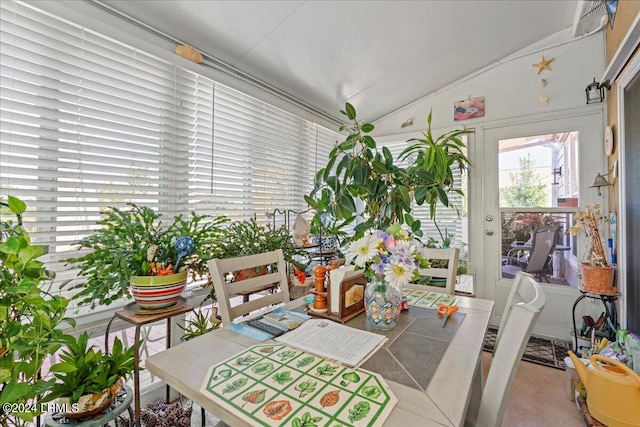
{"points": [[431, 171], [29, 318], [357, 170]]}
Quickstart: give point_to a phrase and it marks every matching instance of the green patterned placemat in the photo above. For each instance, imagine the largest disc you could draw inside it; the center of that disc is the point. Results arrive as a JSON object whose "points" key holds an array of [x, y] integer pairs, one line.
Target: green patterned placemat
{"points": [[276, 385], [427, 299]]}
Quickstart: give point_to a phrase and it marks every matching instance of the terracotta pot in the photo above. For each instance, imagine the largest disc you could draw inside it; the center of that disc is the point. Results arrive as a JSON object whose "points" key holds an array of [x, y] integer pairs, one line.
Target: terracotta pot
{"points": [[88, 405], [248, 273], [598, 279], [156, 292]]}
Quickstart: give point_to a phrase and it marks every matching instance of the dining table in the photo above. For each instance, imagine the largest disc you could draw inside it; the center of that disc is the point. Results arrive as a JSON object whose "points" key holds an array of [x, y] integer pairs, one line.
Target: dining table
{"points": [[434, 369]]}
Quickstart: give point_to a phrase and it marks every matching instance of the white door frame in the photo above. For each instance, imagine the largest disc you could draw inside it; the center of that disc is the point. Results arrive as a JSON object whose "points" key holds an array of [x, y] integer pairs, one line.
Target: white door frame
{"points": [[625, 78], [485, 250]]}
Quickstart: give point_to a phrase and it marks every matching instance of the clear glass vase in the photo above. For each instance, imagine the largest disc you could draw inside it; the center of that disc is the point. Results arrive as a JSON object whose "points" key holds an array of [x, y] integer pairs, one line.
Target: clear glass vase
{"points": [[382, 303]]}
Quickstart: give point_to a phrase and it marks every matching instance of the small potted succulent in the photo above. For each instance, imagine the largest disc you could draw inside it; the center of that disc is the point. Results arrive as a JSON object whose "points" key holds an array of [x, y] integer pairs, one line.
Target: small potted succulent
{"points": [[87, 380], [132, 253]]}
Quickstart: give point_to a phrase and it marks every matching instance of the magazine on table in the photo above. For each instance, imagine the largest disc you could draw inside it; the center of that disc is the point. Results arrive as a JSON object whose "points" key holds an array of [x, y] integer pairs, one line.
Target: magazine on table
{"points": [[345, 345]]}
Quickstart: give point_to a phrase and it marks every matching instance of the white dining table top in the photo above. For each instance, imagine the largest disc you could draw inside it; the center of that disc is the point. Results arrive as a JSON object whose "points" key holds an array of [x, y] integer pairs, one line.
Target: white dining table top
{"points": [[455, 383]]}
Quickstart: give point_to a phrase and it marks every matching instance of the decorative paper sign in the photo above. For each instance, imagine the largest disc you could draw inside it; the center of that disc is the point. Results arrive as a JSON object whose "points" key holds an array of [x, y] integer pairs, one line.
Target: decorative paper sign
{"points": [[276, 385], [468, 109], [426, 299]]}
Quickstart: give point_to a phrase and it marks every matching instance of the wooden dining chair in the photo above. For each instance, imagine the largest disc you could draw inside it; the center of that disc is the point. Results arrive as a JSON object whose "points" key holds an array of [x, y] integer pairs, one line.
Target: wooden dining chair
{"points": [[276, 276], [526, 301], [450, 273]]}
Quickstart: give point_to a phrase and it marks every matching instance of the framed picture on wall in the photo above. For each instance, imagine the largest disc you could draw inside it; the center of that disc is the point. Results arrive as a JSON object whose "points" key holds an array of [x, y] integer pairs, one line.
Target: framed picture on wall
{"points": [[468, 109], [612, 6]]}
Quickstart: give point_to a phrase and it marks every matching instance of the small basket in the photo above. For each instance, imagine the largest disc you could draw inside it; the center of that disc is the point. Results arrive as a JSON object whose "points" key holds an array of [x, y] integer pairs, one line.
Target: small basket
{"points": [[598, 280]]}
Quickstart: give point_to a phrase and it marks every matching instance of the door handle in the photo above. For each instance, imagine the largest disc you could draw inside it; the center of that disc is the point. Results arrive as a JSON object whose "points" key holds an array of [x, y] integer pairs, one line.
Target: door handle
{"points": [[488, 232]]}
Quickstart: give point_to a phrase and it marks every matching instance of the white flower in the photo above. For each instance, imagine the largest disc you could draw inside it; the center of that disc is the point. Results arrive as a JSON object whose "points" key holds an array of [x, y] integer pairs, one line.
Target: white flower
{"points": [[364, 250], [399, 273]]}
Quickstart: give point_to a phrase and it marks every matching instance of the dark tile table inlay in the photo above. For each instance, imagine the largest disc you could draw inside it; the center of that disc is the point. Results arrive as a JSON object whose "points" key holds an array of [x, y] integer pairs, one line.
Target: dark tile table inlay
{"points": [[415, 346]]}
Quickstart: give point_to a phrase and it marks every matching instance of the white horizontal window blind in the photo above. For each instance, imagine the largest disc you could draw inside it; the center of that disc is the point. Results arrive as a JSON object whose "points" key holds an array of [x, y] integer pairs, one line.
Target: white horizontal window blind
{"points": [[87, 122], [447, 218], [263, 158]]}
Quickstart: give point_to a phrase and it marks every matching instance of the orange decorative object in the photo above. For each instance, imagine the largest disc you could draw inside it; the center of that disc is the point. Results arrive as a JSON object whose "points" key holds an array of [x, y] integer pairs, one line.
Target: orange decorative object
{"points": [[319, 298]]}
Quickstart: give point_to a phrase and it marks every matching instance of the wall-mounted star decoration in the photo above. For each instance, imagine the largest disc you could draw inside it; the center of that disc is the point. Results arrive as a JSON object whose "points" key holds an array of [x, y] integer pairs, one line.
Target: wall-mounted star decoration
{"points": [[543, 64]]}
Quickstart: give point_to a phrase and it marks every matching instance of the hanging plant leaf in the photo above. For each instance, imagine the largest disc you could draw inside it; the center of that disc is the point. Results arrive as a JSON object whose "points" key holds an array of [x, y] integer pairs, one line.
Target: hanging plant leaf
{"points": [[371, 391], [256, 396], [359, 411], [263, 368], [330, 398], [237, 384], [305, 361], [277, 410], [282, 377]]}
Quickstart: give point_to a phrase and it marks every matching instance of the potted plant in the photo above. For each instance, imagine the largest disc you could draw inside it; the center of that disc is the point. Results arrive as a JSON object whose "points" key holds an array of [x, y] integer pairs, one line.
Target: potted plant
{"points": [[327, 231], [431, 171], [358, 170], [132, 249], [244, 238], [597, 274], [87, 380], [30, 318]]}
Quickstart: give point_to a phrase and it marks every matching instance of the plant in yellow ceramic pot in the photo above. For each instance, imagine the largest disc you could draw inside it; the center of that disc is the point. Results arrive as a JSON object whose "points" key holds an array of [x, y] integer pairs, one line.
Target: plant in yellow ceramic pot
{"points": [[132, 253]]}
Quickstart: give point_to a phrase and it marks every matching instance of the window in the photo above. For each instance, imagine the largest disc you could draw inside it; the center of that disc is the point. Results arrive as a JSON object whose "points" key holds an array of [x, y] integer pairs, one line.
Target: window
{"points": [[88, 122], [539, 189]]}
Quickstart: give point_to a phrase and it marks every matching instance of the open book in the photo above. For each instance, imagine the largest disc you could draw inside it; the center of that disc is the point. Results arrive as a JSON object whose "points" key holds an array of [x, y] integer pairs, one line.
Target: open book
{"points": [[332, 340]]}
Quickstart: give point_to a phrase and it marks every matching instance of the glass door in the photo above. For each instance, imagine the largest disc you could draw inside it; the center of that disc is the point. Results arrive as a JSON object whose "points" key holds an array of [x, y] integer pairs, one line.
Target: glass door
{"points": [[534, 177]]}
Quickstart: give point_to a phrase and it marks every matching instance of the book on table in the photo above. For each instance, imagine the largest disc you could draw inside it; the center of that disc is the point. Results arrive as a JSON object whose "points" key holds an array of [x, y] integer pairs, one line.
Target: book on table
{"points": [[344, 344], [283, 319]]}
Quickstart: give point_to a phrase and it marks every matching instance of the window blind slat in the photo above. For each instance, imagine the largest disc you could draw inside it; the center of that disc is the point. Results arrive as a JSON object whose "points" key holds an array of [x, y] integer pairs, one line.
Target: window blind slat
{"points": [[88, 122]]}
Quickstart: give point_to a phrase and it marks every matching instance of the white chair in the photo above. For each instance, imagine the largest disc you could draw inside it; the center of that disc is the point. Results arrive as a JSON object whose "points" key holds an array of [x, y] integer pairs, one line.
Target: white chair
{"points": [[523, 308], [221, 268], [450, 273]]}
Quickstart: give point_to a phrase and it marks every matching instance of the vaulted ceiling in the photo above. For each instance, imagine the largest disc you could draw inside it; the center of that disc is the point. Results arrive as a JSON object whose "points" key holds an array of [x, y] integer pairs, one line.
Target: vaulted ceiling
{"points": [[382, 54]]}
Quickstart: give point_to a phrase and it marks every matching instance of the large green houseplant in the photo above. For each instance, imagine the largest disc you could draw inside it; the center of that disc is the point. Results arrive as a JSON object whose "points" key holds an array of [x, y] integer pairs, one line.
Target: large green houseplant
{"points": [[133, 242], [358, 170], [248, 237], [30, 317]]}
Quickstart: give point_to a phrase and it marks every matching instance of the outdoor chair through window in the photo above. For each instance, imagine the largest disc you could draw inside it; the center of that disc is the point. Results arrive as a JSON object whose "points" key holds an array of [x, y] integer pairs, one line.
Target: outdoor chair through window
{"points": [[537, 258]]}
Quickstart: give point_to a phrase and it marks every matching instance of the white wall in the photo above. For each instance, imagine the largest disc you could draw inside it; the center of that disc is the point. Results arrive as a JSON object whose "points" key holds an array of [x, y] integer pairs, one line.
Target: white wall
{"points": [[511, 88]]}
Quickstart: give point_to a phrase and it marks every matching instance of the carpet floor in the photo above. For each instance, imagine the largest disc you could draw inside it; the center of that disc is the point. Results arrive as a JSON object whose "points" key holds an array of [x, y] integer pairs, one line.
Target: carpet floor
{"points": [[539, 350]]}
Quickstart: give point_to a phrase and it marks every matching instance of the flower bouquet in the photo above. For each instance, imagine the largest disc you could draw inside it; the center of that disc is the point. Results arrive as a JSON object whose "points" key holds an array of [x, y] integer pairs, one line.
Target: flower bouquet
{"points": [[392, 254], [390, 258]]}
